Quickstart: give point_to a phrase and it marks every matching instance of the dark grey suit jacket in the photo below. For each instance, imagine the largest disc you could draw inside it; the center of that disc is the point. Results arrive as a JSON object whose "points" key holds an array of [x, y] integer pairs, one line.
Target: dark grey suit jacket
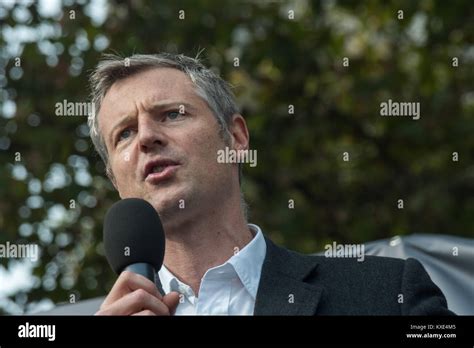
{"points": [[296, 284]]}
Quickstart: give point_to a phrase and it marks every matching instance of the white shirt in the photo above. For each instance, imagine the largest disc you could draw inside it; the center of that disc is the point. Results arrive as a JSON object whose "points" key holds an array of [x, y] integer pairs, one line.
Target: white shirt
{"points": [[228, 289]]}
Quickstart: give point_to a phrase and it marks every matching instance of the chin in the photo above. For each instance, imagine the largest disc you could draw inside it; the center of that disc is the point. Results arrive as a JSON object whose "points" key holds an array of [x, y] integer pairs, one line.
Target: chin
{"points": [[168, 204]]}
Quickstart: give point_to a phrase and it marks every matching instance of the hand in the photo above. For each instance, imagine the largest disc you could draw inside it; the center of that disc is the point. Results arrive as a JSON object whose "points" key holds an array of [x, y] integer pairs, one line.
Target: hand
{"points": [[133, 294]]}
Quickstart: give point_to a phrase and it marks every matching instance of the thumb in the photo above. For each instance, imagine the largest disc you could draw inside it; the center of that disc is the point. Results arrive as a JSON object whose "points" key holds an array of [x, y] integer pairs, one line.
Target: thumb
{"points": [[171, 300]]}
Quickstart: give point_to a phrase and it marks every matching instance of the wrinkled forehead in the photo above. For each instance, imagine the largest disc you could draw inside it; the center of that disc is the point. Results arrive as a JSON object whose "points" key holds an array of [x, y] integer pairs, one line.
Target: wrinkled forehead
{"points": [[156, 84]]}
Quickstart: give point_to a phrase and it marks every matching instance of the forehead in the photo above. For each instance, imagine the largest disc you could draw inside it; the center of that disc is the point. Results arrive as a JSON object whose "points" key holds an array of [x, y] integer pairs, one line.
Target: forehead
{"points": [[153, 84]]}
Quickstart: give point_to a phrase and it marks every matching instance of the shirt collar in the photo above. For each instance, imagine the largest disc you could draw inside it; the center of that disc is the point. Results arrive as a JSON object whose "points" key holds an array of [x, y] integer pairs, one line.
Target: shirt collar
{"points": [[246, 263]]}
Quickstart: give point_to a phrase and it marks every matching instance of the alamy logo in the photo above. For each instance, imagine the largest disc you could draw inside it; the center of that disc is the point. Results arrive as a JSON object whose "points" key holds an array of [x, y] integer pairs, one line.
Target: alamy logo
{"points": [[37, 331], [345, 251], [393, 108], [237, 156], [67, 108], [23, 251]]}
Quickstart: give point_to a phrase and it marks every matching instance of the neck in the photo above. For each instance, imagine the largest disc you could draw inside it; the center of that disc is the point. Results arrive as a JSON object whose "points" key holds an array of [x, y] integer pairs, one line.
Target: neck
{"points": [[207, 240]]}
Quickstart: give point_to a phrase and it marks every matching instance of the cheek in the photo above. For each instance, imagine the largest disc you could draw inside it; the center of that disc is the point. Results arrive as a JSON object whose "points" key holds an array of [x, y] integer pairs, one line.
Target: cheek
{"points": [[124, 168], [202, 143], [202, 151]]}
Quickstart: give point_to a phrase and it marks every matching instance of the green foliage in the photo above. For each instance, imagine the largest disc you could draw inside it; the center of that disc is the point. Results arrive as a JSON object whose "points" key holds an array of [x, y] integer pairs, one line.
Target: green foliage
{"points": [[283, 62]]}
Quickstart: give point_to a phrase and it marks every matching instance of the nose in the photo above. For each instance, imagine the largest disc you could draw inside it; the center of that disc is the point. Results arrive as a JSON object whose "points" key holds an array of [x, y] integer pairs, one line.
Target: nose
{"points": [[150, 135]]}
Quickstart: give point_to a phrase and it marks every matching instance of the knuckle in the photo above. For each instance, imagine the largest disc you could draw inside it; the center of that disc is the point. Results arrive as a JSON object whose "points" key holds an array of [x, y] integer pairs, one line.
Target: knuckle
{"points": [[140, 295], [126, 276], [102, 311], [103, 305]]}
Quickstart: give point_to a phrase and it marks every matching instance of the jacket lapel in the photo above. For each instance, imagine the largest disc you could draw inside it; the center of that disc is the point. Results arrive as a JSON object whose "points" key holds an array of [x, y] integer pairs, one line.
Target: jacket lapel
{"points": [[282, 289]]}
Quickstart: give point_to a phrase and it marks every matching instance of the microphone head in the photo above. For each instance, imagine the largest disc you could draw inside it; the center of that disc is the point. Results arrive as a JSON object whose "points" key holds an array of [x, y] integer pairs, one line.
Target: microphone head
{"points": [[133, 234]]}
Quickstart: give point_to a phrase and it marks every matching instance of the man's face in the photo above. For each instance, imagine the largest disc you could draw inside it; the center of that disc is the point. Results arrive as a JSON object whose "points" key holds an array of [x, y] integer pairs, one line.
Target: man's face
{"points": [[162, 140]]}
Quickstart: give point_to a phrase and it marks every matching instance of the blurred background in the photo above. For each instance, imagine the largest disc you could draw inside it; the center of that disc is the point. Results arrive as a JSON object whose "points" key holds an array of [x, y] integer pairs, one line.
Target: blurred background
{"points": [[53, 189]]}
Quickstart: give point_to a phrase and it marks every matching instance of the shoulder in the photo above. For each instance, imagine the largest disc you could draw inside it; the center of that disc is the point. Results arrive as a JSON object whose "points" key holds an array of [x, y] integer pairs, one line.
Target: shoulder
{"points": [[369, 272], [380, 285], [369, 285], [366, 271]]}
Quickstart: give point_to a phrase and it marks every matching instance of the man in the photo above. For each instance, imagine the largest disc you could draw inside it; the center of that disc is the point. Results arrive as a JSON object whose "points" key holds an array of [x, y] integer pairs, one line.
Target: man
{"points": [[160, 121]]}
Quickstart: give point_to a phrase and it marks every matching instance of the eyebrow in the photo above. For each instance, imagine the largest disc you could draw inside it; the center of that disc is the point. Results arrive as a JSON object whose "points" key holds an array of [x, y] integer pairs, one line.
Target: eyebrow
{"points": [[155, 107]]}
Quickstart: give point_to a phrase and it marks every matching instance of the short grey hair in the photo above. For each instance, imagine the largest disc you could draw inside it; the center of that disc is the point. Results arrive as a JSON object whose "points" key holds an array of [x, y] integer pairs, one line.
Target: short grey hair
{"points": [[208, 85]]}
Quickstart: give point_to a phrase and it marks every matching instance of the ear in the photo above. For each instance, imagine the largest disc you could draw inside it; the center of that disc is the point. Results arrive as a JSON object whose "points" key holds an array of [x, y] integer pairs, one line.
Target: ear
{"points": [[111, 177], [239, 133]]}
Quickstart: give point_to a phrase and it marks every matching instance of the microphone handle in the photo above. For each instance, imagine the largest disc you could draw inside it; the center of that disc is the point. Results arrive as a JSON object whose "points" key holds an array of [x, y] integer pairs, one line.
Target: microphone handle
{"points": [[146, 270]]}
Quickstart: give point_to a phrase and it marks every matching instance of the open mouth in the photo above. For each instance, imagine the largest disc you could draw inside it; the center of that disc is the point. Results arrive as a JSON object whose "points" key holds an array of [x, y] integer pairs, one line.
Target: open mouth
{"points": [[159, 170]]}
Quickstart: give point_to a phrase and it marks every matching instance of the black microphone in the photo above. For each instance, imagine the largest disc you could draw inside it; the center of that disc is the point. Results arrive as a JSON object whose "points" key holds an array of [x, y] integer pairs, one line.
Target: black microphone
{"points": [[134, 239]]}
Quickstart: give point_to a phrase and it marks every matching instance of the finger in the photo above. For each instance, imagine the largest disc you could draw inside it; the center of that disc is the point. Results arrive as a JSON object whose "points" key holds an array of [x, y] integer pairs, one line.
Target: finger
{"points": [[128, 282], [135, 302], [171, 300], [145, 312]]}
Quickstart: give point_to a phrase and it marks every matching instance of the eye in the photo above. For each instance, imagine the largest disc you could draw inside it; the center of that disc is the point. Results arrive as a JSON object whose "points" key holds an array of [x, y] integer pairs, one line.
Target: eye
{"points": [[173, 115], [123, 134]]}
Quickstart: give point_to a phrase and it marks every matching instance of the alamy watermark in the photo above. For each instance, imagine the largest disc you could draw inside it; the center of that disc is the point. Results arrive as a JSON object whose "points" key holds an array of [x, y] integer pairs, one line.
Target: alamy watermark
{"points": [[345, 251], [394, 108], [28, 330], [19, 251], [237, 156], [68, 108]]}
